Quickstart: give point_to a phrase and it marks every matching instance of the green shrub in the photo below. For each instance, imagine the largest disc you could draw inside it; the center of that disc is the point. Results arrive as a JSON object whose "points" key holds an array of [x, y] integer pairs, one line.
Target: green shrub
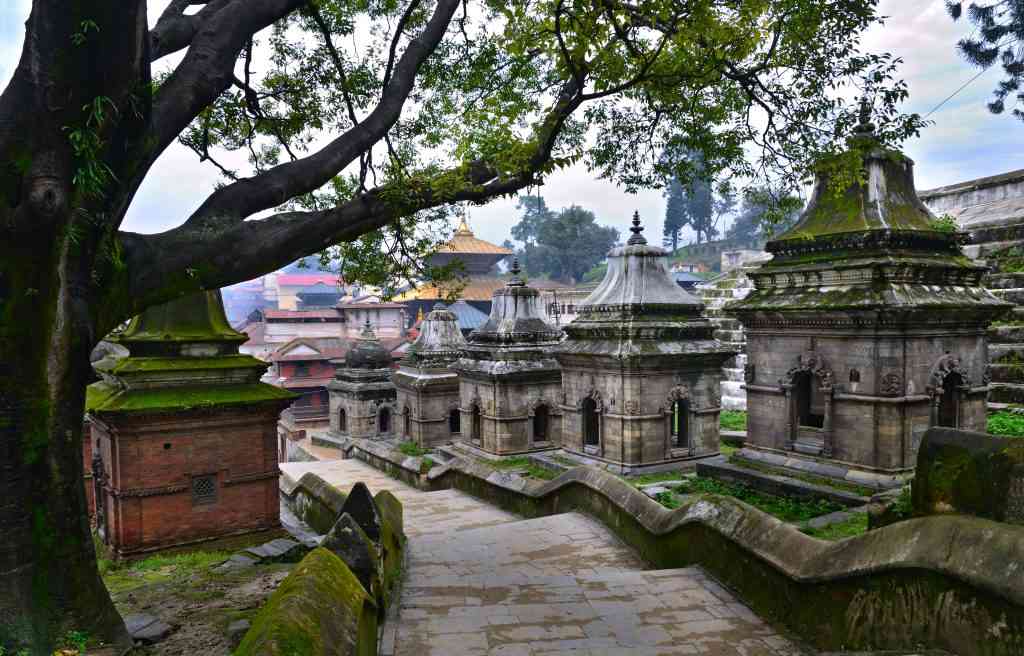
{"points": [[944, 223], [426, 465], [412, 449], [733, 420], [787, 509], [1006, 424], [667, 499]]}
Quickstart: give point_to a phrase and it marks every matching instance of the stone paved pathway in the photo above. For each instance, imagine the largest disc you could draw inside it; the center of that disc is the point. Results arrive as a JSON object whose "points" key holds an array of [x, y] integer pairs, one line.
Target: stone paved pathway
{"points": [[483, 581]]}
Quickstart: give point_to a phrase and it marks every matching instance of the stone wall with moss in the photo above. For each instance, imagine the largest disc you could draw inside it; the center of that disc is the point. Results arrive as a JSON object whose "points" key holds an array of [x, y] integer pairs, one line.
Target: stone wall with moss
{"points": [[892, 588]]}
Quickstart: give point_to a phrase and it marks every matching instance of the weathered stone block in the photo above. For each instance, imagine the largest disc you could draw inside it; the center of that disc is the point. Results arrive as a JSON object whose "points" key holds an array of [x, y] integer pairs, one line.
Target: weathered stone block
{"points": [[348, 541], [321, 609], [970, 473]]}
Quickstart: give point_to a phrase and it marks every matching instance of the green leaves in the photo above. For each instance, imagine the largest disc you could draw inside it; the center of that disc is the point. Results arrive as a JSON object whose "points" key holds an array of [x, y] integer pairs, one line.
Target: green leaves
{"points": [[758, 89]]}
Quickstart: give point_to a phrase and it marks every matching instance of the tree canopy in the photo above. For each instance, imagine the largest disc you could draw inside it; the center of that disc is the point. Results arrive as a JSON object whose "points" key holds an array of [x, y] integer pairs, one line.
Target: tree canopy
{"points": [[562, 245], [363, 122], [998, 31], [764, 215]]}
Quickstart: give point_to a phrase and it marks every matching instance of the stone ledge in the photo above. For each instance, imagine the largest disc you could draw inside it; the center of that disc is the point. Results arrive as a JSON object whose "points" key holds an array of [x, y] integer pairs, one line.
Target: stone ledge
{"points": [[778, 484], [896, 587]]}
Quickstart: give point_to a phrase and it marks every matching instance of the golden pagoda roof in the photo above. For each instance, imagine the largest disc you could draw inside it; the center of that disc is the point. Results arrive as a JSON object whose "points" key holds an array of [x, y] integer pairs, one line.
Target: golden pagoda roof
{"points": [[464, 241]]}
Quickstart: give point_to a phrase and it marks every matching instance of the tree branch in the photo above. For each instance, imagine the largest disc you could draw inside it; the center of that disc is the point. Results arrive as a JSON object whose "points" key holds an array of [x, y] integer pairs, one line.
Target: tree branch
{"points": [[239, 200], [175, 30], [195, 256]]}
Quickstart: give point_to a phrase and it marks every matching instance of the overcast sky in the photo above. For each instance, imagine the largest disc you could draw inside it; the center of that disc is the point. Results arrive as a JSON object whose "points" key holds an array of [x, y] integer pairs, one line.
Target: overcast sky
{"points": [[965, 141]]}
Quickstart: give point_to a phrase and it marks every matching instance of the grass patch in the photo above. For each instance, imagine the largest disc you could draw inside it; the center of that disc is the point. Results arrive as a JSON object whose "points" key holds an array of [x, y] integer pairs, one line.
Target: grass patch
{"points": [[1005, 424], [856, 525], [120, 577], [659, 477], [785, 508], [668, 500], [842, 486], [733, 420], [521, 465], [728, 449], [412, 449]]}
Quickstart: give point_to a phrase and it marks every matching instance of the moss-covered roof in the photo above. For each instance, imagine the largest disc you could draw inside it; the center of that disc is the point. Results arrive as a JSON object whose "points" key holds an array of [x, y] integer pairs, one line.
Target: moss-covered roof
{"points": [[885, 199], [198, 317], [148, 365], [103, 397]]}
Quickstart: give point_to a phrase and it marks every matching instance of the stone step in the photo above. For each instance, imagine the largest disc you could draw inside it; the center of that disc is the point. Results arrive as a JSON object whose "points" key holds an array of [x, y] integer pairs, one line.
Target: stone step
{"points": [[732, 374], [734, 402], [728, 323], [1006, 335], [1007, 373], [716, 293], [1006, 353], [732, 336], [1014, 295], [1006, 393], [733, 388], [996, 281]]}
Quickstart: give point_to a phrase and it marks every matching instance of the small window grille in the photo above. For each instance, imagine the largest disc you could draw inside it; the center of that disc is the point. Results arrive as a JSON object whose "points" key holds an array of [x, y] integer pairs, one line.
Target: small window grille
{"points": [[204, 490]]}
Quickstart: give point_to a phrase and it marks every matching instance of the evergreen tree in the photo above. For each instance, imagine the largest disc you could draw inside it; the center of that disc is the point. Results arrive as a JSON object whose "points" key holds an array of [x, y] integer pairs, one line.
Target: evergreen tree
{"points": [[535, 212], [764, 215], [676, 216], [999, 27]]}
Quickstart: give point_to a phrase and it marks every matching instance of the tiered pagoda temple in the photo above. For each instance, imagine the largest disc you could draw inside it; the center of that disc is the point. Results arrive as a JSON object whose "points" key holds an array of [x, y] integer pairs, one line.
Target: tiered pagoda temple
{"points": [[183, 433], [509, 383], [641, 369], [867, 327]]}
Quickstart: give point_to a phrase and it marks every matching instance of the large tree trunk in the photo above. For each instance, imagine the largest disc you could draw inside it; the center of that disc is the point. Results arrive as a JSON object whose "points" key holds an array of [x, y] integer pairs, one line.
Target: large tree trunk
{"points": [[49, 583]]}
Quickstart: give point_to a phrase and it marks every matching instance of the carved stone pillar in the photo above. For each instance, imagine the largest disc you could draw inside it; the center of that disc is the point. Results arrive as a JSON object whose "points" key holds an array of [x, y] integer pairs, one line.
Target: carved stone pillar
{"points": [[826, 427], [791, 414]]}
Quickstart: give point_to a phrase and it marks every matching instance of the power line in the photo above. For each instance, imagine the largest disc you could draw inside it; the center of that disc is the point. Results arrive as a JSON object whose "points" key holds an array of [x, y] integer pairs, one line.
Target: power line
{"points": [[961, 88]]}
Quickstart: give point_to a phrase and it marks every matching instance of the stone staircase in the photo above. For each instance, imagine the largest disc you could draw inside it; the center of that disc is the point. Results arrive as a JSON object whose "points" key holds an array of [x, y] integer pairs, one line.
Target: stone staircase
{"points": [[715, 293], [1006, 341]]}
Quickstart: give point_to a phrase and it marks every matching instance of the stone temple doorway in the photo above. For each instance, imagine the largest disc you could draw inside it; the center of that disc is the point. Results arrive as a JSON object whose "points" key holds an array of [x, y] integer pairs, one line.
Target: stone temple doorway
{"points": [[477, 434], [679, 428], [591, 423], [949, 402], [384, 421]]}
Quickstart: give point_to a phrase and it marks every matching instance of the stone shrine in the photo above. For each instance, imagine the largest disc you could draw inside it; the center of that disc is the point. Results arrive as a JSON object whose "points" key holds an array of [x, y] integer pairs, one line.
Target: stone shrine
{"points": [[362, 396], [641, 369], [509, 385], [427, 390], [867, 327], [183, 433]]}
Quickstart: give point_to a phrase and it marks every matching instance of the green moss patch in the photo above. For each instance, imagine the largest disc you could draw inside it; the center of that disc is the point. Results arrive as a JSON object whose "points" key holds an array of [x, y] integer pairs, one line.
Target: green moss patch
{"points": [[856, 525], [176, 399], [321, 608], [522, 466]]}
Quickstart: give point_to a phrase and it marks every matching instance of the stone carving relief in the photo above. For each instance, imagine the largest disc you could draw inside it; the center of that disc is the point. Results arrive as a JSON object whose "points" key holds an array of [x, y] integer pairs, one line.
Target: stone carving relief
{"points": [[813, 364], [892, 384], [632, 407], [947, 364]]}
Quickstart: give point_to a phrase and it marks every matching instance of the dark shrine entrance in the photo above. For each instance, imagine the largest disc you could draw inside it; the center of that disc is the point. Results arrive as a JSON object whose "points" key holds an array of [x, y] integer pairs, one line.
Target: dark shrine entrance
{"points": [[540, 423], [810, 401], [384, 421], [591, 426], [477, 427], [949, 403], [678, 427]]}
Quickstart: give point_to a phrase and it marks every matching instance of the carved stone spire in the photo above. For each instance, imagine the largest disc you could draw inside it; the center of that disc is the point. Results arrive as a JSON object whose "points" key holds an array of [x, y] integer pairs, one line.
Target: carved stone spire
{"points": [[637, 239]]}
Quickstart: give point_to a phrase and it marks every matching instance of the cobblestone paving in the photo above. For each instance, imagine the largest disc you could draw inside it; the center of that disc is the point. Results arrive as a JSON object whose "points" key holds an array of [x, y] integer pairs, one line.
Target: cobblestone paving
{"points": [[483, 581]]}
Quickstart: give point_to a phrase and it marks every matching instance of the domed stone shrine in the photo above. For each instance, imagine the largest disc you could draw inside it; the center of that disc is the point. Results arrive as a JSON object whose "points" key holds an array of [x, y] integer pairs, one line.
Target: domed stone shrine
{"points": [[428, 391], [509, 385], [867, 327], [362, 396], [641, 370], [183, 433]]}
